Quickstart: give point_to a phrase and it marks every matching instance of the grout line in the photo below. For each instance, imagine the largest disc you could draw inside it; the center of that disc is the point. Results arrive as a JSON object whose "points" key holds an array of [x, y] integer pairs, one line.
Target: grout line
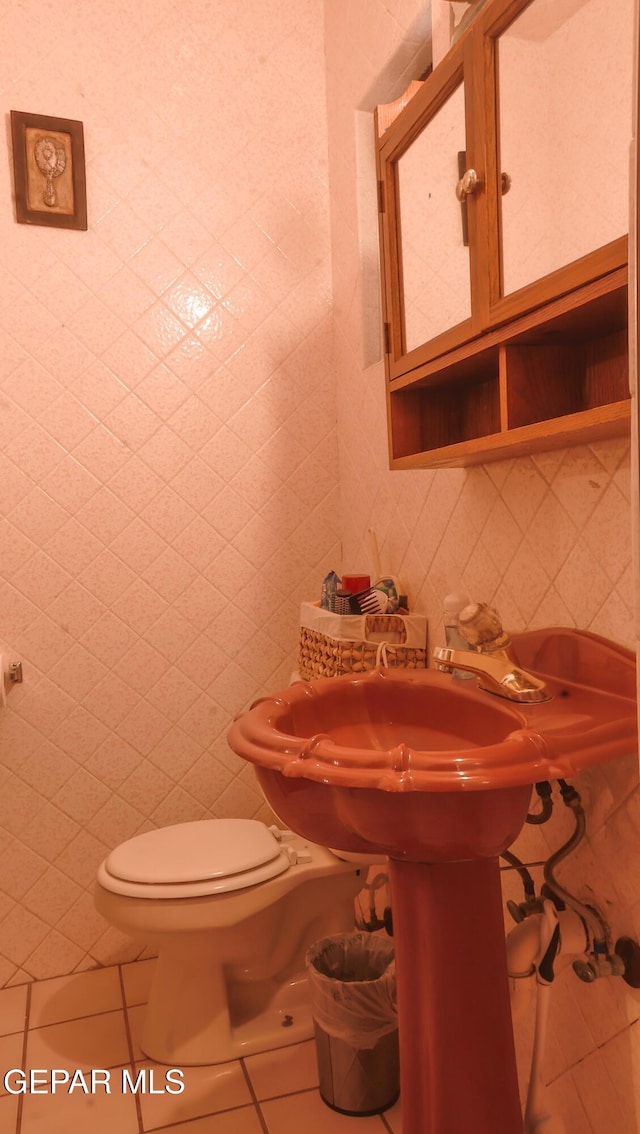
{"points": [[261, 1118], [287, 1094], [25, 1040], [598, 1047], [127, 1029], [75, 1019], [385, 1123], [258, 1108], [180, 1122]]}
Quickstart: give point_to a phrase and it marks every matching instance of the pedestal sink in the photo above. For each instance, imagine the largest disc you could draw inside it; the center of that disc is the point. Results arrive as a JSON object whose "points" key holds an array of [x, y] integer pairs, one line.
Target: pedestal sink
{"points": [[437, 775]]}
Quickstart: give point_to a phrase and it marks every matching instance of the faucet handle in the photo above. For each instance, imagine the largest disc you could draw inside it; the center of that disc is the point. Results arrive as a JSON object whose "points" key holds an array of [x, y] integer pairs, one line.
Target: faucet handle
{"points": [[481, 625]]}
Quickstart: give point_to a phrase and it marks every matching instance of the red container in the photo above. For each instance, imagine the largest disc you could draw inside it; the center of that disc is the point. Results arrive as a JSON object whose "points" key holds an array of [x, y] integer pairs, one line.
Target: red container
{"points": [[356, 583]]}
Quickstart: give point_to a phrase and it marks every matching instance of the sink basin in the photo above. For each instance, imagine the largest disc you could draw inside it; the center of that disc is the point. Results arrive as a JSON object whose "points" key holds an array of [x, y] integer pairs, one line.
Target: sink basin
{"points": [[437, 775], [417, 765]]}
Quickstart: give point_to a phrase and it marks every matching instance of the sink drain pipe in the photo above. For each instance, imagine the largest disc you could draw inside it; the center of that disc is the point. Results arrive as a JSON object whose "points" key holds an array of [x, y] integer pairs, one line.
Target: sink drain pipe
{"points": [[603, 962], [598, 929], [532, 949]]}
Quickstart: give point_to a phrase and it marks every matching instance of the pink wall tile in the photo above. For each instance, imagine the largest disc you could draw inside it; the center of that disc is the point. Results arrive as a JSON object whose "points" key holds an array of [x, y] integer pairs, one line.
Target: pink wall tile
{"points": [[122, 523]]}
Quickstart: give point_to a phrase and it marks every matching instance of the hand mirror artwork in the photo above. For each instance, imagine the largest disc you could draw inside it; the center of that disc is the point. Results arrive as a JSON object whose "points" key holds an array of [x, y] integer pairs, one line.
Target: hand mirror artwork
{"points": [[48, 168], [52, 162]]}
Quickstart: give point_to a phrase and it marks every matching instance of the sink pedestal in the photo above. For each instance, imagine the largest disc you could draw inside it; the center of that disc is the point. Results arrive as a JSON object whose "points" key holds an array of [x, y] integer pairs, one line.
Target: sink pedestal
{"points": [[457, 1058]]}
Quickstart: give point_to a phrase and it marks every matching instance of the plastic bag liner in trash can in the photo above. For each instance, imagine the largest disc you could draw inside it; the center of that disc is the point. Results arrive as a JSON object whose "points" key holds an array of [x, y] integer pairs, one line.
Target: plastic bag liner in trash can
{"points": [[352, 982]]}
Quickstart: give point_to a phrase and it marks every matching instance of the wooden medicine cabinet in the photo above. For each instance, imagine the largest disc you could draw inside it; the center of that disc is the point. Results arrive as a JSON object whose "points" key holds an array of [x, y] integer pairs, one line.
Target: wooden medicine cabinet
{"points": [[503, 204]]}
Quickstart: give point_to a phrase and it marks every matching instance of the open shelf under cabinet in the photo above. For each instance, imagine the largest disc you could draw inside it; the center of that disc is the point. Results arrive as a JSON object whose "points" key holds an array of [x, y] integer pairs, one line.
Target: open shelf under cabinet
{"points": [[555, 377]]}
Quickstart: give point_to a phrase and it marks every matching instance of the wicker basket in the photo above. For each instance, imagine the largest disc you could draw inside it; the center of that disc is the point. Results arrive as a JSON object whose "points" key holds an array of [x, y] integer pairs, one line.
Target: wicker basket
{"points": [[323, 655]]}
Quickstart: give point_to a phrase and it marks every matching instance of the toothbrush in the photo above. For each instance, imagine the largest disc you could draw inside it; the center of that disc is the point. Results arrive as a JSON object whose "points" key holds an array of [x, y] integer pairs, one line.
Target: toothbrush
{"points": [[384, 583], [375, 553]]}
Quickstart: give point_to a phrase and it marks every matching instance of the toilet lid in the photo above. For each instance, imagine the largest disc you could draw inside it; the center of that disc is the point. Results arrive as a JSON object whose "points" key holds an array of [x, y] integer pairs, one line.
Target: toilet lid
{"points": [[194, 852]]}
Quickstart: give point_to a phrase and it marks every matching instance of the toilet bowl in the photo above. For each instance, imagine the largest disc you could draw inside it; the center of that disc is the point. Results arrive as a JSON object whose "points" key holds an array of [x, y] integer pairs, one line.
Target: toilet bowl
{"points": [[231, 907]]}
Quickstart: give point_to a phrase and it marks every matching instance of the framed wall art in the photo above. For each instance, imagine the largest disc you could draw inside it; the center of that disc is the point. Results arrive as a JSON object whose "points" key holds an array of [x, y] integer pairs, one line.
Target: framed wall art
{"points": [[48, 170]]}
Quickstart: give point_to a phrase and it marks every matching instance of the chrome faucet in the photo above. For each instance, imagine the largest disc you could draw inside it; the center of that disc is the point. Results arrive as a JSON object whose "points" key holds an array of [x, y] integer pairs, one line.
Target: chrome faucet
{"points": [[491, 657]]}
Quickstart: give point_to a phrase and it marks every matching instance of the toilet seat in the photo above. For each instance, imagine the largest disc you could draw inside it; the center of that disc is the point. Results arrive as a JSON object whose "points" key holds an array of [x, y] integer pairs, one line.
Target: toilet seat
{"points": [[209, 856]]}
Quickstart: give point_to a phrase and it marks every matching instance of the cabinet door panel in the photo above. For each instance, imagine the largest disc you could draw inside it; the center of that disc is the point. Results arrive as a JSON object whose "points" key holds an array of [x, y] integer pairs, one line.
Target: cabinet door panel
{"points": [[436, 285], [564, 82], [430, 273]]}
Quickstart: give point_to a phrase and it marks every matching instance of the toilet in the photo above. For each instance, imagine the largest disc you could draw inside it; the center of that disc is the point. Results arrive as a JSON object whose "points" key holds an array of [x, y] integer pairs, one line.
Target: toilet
{"points": [[231, 906]]}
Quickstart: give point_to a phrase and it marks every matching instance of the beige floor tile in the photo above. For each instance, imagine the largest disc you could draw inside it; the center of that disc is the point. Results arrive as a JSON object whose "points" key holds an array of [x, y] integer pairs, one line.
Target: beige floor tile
{"points": [[307, 1112], [284, 1071], [98, 1113], [243, 1121], [562, 1099], [13, 1007], [99, 1041], [207, 1090], [10, 1054], [80, 994], [9, 1114], [137, 977], [135, 1016]]}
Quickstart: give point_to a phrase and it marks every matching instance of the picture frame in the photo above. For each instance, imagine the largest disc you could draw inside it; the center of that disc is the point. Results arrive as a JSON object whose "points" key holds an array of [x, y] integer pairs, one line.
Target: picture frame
{"points": [[49, 170]]}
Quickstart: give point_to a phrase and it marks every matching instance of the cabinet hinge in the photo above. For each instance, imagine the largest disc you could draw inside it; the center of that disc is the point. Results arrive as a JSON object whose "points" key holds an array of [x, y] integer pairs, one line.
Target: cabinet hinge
{"points": [[381, 208], [386, 333]]}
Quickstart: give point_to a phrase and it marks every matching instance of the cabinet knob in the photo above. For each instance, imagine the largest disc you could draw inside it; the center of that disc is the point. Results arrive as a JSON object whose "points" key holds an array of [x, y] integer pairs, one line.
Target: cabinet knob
{"points": [[467, 184]]}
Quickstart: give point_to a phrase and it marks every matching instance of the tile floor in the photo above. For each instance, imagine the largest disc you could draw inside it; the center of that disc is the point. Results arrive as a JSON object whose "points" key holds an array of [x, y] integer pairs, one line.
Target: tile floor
{"points": [[90, 1020]]}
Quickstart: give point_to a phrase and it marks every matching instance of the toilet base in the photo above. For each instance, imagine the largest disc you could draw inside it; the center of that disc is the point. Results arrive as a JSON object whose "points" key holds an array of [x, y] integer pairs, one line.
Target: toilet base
{"points": [[286, 1021], [188, 1022]]}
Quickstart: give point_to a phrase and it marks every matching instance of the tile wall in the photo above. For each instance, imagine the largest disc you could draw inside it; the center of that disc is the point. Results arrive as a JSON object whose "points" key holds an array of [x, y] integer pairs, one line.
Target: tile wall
{"points": [[547, 539], [169, 461], [167, 422]]}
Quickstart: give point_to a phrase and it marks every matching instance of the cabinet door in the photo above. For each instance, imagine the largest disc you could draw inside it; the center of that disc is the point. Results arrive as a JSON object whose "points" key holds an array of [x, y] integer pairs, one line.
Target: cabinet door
{"points": [[430, 239], [436, 284], [536, 95], [563, 83]]}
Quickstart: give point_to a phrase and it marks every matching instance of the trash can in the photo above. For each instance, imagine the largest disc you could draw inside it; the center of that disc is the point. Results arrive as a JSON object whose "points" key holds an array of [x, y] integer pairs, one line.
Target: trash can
{"points": [[352, 984]]}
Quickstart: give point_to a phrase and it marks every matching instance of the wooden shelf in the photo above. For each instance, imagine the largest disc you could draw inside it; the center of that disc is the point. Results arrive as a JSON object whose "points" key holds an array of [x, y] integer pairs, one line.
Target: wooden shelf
{"points": [[555, 377], [580, 428]]}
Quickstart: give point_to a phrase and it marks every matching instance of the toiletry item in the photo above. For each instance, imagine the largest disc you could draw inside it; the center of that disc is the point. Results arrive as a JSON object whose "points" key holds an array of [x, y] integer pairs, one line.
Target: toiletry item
{"points": [[375, 552], [453, 604], [389, 589], [387, 583], [342, 601], [371, 602], [330, 584], [356, 583]]}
